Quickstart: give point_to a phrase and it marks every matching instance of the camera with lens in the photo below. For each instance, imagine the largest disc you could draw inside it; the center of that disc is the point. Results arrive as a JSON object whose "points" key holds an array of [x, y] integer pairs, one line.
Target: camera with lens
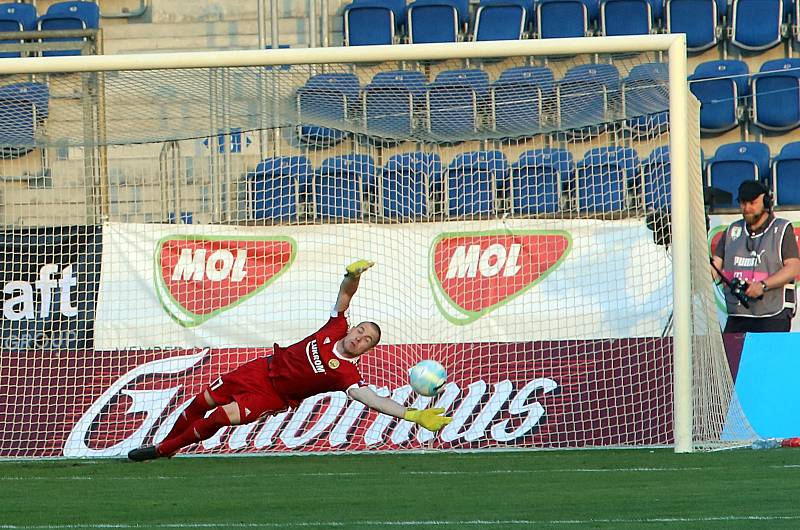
{"points": [[738, 288]]}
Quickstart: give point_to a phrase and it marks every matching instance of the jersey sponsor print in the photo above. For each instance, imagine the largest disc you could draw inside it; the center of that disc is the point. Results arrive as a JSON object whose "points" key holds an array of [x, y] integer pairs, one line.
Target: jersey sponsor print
{"points": [[473, 273], [198, 277]]}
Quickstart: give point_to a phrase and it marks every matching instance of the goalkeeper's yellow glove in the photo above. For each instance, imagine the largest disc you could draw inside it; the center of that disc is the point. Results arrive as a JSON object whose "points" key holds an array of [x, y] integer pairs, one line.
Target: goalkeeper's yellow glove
{"points": [[355, 269], [431, 419]]}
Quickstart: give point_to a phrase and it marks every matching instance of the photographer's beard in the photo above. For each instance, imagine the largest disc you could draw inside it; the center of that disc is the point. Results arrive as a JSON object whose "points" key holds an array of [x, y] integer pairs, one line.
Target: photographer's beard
{"points": [[754, 214]]}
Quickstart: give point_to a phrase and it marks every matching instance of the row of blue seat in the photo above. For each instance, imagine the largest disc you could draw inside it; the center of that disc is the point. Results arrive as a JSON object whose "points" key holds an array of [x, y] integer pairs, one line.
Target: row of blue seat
{"points": [[729, 95], [463, 104], [18, 17], [476, 183], [525, 101], [748, 24], [736, 162]]}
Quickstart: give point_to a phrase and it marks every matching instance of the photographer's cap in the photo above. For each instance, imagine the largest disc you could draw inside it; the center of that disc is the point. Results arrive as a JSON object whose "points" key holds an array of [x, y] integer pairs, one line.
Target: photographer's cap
{"points": [[749, 190]]}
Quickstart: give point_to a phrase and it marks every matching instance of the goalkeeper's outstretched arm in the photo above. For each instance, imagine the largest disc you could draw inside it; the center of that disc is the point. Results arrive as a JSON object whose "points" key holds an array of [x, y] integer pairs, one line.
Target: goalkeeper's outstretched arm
{"points": [[431, 419], [349, 284]]}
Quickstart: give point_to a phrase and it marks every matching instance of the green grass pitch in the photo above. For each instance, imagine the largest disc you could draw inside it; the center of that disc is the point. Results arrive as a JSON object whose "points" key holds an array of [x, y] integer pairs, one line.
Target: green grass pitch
{"points": [[532, 489]]}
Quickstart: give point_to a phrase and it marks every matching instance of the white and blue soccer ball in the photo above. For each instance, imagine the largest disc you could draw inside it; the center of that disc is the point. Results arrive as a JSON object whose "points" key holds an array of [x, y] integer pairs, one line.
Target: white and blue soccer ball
{"points": [[427, 377]]}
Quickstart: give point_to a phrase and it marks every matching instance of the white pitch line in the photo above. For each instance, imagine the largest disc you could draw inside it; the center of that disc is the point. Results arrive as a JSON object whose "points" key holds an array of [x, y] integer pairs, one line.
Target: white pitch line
{"points": [[369, 473], [445, 523], [410, 473]]}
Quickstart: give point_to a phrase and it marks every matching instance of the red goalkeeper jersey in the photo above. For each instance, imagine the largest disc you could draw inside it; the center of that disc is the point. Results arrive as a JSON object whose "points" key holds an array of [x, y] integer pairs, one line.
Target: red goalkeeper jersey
{"points": [[311, 366]]}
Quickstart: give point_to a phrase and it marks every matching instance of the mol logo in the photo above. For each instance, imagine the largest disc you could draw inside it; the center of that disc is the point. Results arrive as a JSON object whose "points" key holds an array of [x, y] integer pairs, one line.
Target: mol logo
{"points": [[472, 274], [199, 277]]}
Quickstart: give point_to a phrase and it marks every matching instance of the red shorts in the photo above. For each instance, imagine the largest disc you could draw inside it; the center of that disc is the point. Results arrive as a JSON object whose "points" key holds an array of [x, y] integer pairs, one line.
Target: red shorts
{"points": [[251, 388]]}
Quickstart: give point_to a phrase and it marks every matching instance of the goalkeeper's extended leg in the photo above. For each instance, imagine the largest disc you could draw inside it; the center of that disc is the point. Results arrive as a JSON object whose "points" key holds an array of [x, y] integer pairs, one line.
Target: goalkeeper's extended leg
{"points": [[196, 410], [200, 430]]}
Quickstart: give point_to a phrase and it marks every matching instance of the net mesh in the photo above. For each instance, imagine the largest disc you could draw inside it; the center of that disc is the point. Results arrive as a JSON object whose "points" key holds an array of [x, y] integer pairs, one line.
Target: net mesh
{"points": [[163, 227]]}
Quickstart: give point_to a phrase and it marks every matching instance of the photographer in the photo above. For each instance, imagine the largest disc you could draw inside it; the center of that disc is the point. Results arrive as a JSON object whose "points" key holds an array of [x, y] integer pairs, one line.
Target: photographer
{"points": [[761, 250]]}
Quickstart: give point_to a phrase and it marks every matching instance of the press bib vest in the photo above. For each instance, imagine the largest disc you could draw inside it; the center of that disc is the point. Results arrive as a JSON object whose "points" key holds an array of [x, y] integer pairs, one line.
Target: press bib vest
{"points": [[754, 258]]}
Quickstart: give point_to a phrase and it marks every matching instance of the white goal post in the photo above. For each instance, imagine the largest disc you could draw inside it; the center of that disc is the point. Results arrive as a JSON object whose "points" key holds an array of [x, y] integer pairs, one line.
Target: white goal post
{"points": [[703, 410]]}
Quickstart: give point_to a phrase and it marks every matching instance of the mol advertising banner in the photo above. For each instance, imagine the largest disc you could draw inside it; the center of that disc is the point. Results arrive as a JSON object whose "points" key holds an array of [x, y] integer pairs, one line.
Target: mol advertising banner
{"points": [[49, 279], [575, 394], [509, 280]]}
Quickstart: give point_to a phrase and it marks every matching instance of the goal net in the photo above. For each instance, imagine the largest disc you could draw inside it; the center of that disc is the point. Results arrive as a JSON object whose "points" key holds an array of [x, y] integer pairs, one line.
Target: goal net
{"points": [[534, 210]]}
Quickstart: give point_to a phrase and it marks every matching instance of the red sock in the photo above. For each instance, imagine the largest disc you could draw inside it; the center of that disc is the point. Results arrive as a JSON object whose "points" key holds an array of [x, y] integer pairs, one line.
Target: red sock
{"points": [[201, 429], [196, 410], [791, 442]]}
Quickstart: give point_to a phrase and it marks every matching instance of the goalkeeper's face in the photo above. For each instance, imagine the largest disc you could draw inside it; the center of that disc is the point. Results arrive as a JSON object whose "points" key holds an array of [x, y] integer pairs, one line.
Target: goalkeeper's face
{"points": [[361, 338]]}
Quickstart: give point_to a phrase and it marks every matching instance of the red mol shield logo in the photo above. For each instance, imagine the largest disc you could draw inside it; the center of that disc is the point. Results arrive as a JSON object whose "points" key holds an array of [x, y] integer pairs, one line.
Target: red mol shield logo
{"points": [[199, 277], [472, 274]]}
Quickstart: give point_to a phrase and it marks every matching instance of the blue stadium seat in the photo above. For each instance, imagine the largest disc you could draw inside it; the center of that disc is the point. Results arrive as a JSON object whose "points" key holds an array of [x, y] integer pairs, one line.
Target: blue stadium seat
{"points": [[23, 107], [701, 20], [472, 181], [16, 17], [786, 175], [538, 179], [736, 162], [37, 94], [645, 99], [626, 17], [722, 87], [453, 101], [326, 99], [475, 78], [408, 181], [776, 95], [369, 22], [390, 103], [604, 176], [341, 185], [274, 187], [68, 15], [757, 24], [519, 98], [541, 76], [502, 19], [388, 113], [87, 11], [413, 80], [584, 96], [602, 73], [436, 20], [657, 177], [566, 18], [398, 7]]}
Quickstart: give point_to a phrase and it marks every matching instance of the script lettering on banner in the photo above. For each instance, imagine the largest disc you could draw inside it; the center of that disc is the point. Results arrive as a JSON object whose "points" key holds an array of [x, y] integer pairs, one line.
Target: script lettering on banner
{"points": [[317, 424], [565, 399]]}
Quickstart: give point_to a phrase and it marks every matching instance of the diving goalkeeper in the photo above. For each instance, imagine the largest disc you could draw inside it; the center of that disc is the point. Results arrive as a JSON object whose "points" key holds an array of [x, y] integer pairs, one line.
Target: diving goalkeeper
{"points": [[322, 362]]}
